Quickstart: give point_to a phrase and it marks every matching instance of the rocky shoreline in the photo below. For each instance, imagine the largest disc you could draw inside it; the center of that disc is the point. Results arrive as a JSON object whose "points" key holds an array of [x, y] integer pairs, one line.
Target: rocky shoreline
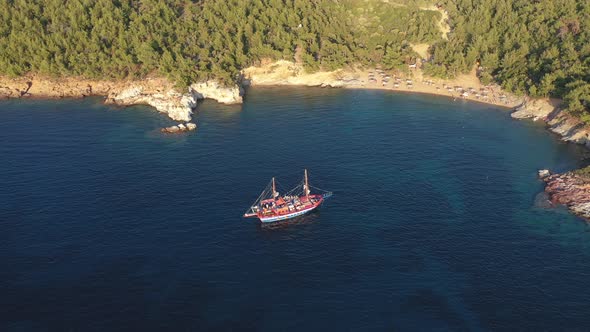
{"points": [[179, 105], [156, 92], [567, 126], [571, 189]]}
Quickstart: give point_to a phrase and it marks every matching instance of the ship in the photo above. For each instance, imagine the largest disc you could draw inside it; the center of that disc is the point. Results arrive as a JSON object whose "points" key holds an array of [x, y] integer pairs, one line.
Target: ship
{"points": [[271, 206]]}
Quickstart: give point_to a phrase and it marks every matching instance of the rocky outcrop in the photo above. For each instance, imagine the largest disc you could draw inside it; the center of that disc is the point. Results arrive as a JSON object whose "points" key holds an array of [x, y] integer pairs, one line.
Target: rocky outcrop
{"points": [[157, 92], [543, 173], [189, 126], [571, 189], [177, 106], [535, 109], [216, 91], [570, 128]]}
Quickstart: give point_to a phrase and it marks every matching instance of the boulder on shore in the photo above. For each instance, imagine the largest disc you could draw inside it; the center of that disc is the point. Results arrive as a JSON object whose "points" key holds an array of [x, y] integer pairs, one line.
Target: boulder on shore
{"points": [[543, 173]]}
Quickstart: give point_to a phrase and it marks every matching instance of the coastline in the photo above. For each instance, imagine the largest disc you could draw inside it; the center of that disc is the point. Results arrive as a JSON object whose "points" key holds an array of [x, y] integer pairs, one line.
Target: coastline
{"points": [[157, 92], [273, 74], [165, 97], [466, 87]]}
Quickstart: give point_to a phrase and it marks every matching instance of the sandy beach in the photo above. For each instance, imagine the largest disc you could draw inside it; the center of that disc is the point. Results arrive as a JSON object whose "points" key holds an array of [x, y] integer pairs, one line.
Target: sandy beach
{"points": [[463, 87], [466, 86]]}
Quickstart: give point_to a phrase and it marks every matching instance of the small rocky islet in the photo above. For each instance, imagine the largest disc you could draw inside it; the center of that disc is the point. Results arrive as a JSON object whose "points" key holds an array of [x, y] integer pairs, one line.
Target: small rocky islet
{"points": [[179, 128]]}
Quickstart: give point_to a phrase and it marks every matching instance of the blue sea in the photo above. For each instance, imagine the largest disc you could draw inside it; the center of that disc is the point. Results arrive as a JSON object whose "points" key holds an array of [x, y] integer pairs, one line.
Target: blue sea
{"points": [[106, 224]]}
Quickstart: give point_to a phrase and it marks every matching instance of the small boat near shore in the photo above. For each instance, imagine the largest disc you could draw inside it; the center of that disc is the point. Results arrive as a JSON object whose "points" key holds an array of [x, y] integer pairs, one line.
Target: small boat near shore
{"points": [[271, 206]]}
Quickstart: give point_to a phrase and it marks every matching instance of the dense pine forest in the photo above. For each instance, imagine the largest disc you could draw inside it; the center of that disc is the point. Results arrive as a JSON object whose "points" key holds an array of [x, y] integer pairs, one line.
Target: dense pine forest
{"points": [[539, 48], [535, 47], [193, 40]]}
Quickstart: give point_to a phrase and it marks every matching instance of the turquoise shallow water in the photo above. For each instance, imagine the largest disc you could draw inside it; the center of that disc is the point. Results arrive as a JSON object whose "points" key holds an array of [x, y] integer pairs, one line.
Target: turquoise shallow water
{"points": [[109, 225]]}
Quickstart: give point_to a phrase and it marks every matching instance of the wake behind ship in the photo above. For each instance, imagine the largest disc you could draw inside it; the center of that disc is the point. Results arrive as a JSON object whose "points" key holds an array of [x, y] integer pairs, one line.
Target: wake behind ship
{"points": [[271, 206]]}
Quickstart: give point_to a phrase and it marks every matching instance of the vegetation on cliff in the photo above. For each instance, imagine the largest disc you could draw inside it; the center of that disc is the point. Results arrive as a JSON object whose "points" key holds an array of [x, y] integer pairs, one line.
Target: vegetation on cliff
{"points": [[583, 172], [539, 48]]}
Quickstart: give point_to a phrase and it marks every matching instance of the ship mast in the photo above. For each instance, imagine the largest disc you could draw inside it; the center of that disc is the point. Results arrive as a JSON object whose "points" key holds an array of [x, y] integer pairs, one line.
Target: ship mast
{"points": [[274, 188], [306, 184]]}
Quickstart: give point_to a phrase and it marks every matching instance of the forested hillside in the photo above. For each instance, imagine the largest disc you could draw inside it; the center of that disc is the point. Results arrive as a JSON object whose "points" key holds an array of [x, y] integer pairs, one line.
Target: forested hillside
{"points": [[540, 48], [193, 40]]}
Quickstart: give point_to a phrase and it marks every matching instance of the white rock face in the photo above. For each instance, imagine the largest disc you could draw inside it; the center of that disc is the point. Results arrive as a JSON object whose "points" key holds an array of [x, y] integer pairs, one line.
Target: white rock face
{"points": [[536, 109], [178, 106], [214, 90], [179, 128]]}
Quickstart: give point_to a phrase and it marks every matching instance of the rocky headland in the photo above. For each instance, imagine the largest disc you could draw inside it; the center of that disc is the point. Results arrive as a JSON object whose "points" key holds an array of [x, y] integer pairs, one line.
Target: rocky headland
{"points": [[156, 92], [571, 189], [558, 121], [179, 104]]}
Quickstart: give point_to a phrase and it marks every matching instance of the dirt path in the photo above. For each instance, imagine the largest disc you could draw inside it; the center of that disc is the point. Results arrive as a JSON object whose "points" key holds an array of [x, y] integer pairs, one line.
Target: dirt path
{"points": [[442, 24]]}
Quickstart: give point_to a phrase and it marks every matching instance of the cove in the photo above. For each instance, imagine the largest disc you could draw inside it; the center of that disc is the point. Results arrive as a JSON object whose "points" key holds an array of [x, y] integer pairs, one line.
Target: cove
{"points": [[108, 224]]}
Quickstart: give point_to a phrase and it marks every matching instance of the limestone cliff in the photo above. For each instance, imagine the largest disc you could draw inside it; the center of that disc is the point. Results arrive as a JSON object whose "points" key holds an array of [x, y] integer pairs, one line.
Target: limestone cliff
{"points": [[156, 92], [214, 90], [177, 106]]}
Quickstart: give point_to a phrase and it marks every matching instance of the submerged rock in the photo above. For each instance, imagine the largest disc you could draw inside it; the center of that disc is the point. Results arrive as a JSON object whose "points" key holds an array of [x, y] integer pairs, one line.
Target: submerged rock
{"points": [[542, 201], [171, 129]]}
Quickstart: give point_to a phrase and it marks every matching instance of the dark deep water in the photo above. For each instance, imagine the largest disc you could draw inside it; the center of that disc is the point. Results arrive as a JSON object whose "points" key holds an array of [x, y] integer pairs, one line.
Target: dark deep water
{"points": [[107, 225]]}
